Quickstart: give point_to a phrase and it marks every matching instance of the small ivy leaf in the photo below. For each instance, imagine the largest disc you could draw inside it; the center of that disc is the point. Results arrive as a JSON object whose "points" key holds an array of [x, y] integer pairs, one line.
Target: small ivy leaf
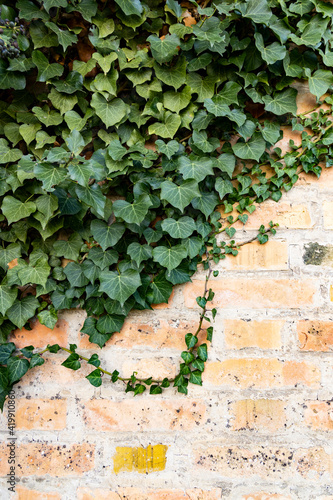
{"points": [[5, 352], [168, 128], [319, 82], [94, 360], [46, 71], [95, 378], [72, 362], [15, 210], [48, 318], [169, 148], [195, 377], [190, 340], [188, 357], [202, 352], [155, 389], [53, 348], [139, 389], [115, 375], [159, 290], [106, 236], [198, 364], [36, 360]]}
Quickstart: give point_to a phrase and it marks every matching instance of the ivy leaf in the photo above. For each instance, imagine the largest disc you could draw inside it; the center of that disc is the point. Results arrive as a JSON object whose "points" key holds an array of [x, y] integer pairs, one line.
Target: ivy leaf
{"points": [[75, 143], [176, 101], [131, 8], [271, 132], [223, 187], [139, 253], [11, 252], [175, 76], [7, 298], [65, 38], [7, 154], [282, 102], [163, 50], [195, 377], [49, 175], [75, 275], [35, 274], [181, 228], [169, 257], [17, 367], [80, 172], [14, 210], [22, 310], [95, 378], [179, 196], [174, 7], [226, 163], [110, 323], [197, 169], [271, 53], [258, 11], [5, 352], [169, 148], [69, 249], [101, 258], [206, 203], [168, 128], [253, 149], [46, 205], [159, 290], [72, 362], [46, 116], [92, 196], [120, 286], [204, 87], [135, 212], [48, 318], [110, 112], [319, 82], [46, 71], [105, 235]]}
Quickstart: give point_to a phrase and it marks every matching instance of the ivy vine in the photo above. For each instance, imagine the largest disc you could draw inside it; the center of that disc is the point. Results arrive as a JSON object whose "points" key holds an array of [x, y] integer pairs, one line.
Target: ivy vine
{"points": [[124, 128]]}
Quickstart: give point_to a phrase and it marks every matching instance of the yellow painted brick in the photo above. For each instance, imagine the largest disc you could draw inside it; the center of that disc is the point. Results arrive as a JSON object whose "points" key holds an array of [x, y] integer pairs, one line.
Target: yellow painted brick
{"points": [[258, 415], [266, 461], [263, 334], [39, 459], [43, 414], [288, 215], [261, 373], [328, 214], [253, 293], [27, 494], [319, 415], [140, 494], [271, 256], [141, 415], [142, 460]]}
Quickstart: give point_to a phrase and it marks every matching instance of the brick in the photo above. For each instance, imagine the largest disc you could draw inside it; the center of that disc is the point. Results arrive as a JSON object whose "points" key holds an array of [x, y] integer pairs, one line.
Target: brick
{"points": [[262, 334], [319, 415], [325, 181], [39, 459], [315, 335], [287, 214], [265, 496], [42, 414], [27, 494], [265, 461], [158, 368], [139, 494], [253, 293], [257, 415], [40, 335], [138, 459], [260, 373], [143, 415], [328, 214], [271, 256], [158, 334]]}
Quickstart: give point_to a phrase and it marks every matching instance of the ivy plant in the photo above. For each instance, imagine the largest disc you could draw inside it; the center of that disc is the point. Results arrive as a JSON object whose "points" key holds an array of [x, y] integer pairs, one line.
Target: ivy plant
{"points": [[124, 128]]}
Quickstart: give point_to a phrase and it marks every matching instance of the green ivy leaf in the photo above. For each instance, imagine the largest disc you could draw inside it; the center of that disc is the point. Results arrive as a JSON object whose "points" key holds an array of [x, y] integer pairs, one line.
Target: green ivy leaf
{"points": [[319, 82], [195, 168], [110, 112], [17, 367], [107, 236], [120, 286], [181, 228], [46, 71], [139, 253], [253, 149], [168, 128], [179, 196], [169, 257], [282, 102], [95, 378], [72, 362], [135, 212], [15, 210], [22, 310], [163, 50], [65, 37], [130, 8]]}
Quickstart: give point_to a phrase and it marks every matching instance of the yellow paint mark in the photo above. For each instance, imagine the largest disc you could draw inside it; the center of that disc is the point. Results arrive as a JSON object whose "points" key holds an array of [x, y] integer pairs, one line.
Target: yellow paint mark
{"points": [[331, 293], [142, 460]]}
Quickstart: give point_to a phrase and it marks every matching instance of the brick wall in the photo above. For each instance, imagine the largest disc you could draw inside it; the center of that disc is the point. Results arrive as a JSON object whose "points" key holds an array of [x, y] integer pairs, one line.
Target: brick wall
{"points": [[261, 426]]}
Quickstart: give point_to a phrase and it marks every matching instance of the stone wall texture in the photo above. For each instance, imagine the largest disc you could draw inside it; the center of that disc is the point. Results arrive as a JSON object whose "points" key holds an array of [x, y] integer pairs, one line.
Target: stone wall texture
{"points": [[260, 427]]}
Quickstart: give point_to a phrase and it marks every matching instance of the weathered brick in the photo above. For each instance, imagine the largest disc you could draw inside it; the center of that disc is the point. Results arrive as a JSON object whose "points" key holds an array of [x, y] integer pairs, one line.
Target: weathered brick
{"points": [[319, 415], [263, 334], [265, 496], [158, 334], [40, 335], [139, 494], [253, 293], [27, 494], [261, 373], [259, 414], [318, 255], [265, 461], [315, 335], [271, 256], [42, 414], [143, 415], [159, 368], [142, 460], [39, 459], [328, 214], [288, 215]]}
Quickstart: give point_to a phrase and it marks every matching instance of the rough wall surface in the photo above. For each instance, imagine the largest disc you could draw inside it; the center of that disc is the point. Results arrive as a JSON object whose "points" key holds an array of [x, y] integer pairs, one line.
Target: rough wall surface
{"points": [[260, 427]]}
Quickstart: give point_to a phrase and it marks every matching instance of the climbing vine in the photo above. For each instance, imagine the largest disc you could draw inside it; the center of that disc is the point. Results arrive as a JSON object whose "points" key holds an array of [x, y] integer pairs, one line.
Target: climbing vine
{"points": [[126, 130]]}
